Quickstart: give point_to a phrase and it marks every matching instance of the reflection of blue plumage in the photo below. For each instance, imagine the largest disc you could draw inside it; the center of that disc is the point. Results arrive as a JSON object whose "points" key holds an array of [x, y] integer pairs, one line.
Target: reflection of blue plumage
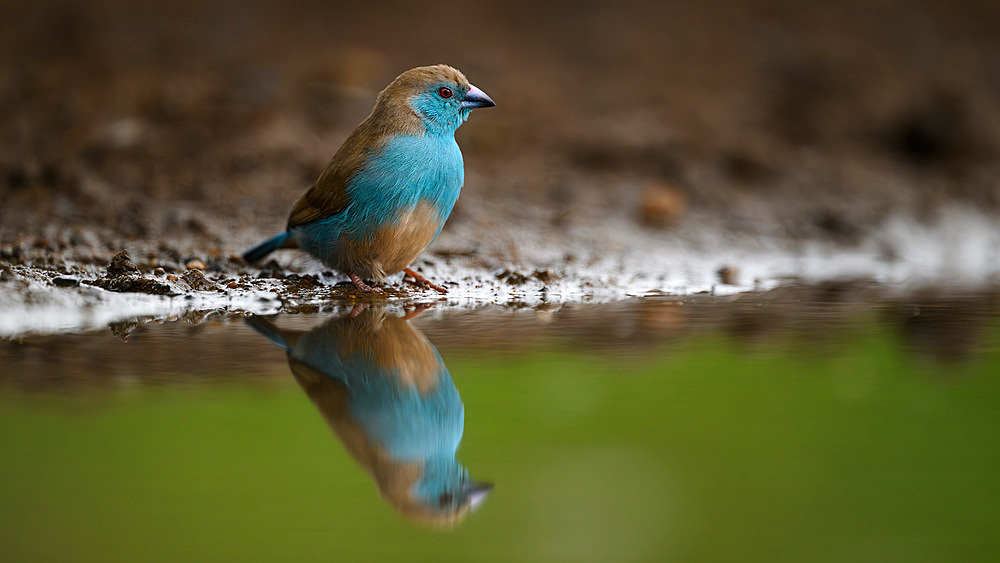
{"points": [[407, 422], [384, 389]]}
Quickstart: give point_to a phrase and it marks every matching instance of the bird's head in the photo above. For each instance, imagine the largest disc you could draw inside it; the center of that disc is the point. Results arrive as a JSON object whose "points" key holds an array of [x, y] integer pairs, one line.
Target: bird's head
{"points": [[445, 493], [437, 97]]}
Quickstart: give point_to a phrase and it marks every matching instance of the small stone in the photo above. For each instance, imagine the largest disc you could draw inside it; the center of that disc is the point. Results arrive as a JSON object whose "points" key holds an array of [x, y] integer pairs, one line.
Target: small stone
{"points": [[544, 276], [662, 205], [271, 270], [123, 133], [512, 277], [131, 283], [728, 275], [65, 281], [195, 264], [121, 264], [122, 329], [198, 281], [159, 272]]}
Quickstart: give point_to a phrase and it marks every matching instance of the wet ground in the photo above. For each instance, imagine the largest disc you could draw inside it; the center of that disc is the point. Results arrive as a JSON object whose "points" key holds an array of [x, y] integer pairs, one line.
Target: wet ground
{"points": [[832, 422], [637, 148]]}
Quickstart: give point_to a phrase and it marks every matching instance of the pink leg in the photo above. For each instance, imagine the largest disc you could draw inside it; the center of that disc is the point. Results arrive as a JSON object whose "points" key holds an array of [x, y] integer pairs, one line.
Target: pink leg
{"points": [[419, 308], [421, 281], [363, 286]]}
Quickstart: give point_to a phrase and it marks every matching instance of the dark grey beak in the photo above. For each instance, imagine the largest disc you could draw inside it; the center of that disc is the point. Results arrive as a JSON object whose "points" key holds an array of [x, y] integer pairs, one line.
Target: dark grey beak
{"points": [[478, 491], [476, 98]]}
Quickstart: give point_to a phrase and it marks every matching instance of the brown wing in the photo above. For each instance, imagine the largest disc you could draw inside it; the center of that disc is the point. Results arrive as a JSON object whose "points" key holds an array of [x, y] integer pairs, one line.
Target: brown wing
{"points": [[328, 196], [318, 202], [330, 397]]}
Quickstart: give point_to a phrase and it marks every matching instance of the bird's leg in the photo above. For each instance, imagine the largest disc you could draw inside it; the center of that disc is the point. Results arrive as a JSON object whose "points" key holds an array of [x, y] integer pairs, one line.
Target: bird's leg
{"points": [[357, 310], [417, 309], [363, 286], [421, 281]]}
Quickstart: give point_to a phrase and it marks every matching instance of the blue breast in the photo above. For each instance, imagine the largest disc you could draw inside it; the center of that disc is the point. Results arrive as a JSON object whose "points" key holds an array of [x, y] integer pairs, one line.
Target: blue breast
{"points": [[410, 426], [404, 172], [407, 424]]}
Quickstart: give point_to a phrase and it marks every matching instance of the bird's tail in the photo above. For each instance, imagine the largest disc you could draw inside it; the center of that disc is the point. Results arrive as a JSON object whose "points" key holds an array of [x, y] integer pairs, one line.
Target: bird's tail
{"points": [[267, 329], [280, 240]]}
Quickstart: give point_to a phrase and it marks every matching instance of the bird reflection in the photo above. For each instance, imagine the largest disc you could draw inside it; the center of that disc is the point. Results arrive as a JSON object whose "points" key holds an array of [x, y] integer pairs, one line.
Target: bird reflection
{"points": [[383, 388]]}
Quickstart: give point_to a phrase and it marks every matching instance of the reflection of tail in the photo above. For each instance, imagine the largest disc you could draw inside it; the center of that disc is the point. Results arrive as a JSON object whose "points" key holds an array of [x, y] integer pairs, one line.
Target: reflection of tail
{"points": [[267, 329], [281, 240]]}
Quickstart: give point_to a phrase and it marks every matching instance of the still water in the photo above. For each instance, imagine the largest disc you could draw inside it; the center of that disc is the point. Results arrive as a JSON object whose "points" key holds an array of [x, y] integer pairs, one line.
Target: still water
{"points": [[812, 427]]}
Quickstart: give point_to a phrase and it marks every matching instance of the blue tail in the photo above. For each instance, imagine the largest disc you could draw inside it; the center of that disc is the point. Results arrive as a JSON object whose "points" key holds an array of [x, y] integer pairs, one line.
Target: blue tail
{"points": [[267, 329], [281, 240]]}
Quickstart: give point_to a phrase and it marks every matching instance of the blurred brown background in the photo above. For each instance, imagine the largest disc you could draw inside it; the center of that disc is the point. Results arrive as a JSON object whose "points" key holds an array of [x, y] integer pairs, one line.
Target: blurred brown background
{"points": [[143, 120]]}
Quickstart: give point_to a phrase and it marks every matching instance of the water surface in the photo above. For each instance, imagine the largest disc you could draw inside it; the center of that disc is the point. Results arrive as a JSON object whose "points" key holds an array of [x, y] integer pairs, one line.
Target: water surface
{"points": [[812, 427]]}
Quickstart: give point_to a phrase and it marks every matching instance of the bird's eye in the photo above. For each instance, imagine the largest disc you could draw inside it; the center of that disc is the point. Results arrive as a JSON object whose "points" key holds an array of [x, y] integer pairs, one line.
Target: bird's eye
{"points": [[446, 497], [445, 92]]}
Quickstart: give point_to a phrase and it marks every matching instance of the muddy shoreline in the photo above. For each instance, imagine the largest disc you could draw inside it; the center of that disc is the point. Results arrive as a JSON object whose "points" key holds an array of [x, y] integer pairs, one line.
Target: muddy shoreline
{"points": [[637, 150]]}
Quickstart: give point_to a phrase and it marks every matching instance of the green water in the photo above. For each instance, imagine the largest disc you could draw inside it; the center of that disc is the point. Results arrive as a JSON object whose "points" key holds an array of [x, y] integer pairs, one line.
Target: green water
{"points": [[695, 445]]}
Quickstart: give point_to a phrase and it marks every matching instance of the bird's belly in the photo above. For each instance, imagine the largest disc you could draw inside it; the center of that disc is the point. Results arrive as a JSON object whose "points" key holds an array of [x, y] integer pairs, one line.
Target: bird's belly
{"points": [[393, 246]]}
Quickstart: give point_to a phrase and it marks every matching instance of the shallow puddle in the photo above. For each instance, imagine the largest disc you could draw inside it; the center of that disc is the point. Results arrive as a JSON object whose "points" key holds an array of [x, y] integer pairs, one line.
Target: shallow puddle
{"points": [[805, 427]]}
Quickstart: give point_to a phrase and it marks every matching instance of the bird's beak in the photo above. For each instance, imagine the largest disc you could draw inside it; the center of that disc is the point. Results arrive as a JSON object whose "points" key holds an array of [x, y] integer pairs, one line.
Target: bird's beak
{"points": [[476, 98], [477, 491]]}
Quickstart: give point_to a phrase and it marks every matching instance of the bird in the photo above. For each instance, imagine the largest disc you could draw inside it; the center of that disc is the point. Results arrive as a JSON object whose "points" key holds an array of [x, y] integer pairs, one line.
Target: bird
{"points": [[390, 187], [384, 390]]}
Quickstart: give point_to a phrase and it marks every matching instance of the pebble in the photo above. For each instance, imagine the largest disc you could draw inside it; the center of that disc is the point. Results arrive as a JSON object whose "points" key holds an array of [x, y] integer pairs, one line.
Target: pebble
{"points": [[121, 264], [197, 280], [662, 205], [728, 275], [65, 281]]}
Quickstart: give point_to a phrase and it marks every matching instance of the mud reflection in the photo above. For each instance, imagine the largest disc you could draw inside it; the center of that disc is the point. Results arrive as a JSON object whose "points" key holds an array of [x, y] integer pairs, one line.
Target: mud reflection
{"points": [[384, 390]]}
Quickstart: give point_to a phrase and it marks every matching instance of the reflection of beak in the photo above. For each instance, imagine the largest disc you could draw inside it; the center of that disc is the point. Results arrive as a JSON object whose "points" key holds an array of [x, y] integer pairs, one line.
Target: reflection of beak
{"points": [[477, 493], [476, 98]]}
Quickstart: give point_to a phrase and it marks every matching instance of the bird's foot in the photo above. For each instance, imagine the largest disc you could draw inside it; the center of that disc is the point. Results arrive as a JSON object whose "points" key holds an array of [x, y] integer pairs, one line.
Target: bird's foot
{"points": [[357, 310], [365, 287], [416, 310], [421, 281]]}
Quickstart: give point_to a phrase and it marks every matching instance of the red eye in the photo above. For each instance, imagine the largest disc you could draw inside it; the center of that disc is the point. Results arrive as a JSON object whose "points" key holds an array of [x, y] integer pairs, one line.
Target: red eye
{"points": [[445, 93]]}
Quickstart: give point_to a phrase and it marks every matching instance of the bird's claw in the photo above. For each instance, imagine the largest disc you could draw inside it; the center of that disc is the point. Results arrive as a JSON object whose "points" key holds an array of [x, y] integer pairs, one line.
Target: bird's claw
{"points": [[420, 281], [358, 283], [357, 310]]}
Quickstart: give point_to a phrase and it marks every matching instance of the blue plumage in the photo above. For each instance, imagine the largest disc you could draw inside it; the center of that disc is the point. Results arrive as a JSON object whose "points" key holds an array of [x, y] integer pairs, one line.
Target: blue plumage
{"points": [[388, 191], [262, 249], [407, 171]]}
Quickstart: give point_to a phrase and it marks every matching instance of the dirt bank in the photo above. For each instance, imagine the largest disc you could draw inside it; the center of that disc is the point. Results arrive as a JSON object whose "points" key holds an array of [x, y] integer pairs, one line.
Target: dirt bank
{"points": [[761, 136]]}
